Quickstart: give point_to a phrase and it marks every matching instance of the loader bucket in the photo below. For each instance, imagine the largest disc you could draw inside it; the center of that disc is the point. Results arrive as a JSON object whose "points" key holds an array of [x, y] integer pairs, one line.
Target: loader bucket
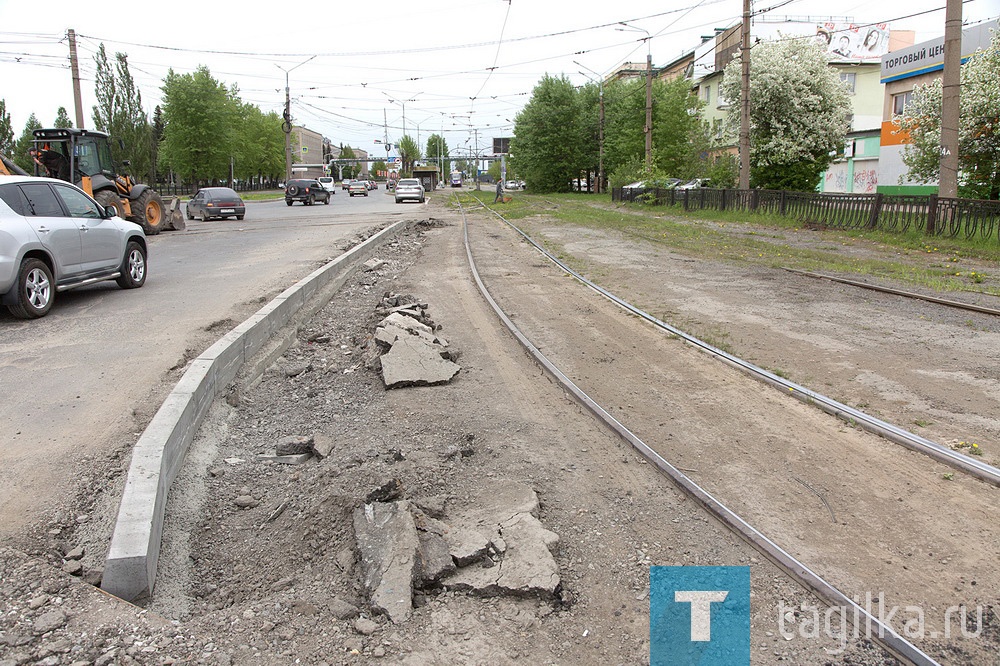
{"points": [[174, 218]]}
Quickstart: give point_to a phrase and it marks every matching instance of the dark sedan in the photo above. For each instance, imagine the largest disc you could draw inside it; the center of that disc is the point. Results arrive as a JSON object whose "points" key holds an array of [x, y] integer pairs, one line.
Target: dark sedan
{"points": [[218, 202]]}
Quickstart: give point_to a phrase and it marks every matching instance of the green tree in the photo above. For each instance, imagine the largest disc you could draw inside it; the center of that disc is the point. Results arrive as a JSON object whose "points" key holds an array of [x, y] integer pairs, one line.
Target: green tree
{"points": [[24, 143], [799, 113], [259, 154], [547, 148], [978, 130], [62, 119], [201, 119], [350, 170], [437, 147], [624, 141], [119, 112], [409, 153], [6, 131]]}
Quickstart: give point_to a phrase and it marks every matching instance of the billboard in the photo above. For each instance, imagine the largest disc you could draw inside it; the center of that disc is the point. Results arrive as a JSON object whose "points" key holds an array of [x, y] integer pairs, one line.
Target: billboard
{"points": [[501, 146], [847, 41]]}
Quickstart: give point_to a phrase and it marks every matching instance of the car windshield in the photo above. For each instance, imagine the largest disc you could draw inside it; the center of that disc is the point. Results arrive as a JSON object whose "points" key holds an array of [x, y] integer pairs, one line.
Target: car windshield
{"points": [[408, 183]]}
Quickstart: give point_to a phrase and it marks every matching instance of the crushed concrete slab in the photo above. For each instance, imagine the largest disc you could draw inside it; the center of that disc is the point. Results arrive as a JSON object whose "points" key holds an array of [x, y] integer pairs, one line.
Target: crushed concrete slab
{"points": [[294, 445], [285, 460], [397, 326], [387, 542], [323, 445], [520, 545], [528, 566], [434, 560], [414, 362]]}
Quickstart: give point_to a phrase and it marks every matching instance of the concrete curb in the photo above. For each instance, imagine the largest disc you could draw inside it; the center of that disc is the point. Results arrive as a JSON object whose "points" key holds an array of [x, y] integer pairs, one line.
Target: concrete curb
{"points": [[130, 568]]}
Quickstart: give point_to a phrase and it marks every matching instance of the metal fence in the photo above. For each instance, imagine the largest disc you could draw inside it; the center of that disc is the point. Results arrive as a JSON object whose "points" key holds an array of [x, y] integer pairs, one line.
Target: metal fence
{"points": [[936, 216]]}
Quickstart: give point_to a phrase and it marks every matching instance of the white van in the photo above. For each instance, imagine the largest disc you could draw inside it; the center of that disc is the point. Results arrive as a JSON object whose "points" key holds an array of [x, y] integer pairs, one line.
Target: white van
{"points": [[329, 184]]}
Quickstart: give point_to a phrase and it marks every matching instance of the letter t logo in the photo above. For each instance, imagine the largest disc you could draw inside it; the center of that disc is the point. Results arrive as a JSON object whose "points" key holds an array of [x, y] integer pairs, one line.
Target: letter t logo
{"points": [[701, 611]]}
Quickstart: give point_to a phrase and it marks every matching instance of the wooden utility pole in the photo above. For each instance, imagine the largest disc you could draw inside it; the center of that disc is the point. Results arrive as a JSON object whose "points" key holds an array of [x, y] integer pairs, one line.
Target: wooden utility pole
{"points": [[649, 108], [74, 66], [745, 99], [951, 83]]}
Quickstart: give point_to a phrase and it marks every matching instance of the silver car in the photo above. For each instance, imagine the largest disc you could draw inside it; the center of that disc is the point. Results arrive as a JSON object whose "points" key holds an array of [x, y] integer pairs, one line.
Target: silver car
{"points": [[54, 237], [409, 189]]}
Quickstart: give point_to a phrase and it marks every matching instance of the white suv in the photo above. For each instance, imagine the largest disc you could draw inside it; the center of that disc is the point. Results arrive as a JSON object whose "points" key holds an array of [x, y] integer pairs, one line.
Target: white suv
{"points": [[329, 184], [55, 237]]}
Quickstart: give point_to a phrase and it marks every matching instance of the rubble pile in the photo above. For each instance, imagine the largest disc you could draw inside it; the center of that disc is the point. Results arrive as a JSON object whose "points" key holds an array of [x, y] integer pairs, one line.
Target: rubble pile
{"points": [[411, 351], [493, 545]]}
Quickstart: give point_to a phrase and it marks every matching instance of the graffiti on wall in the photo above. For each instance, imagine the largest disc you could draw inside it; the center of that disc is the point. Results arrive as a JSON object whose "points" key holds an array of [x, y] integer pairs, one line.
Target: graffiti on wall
{"points": [[866, 181]]}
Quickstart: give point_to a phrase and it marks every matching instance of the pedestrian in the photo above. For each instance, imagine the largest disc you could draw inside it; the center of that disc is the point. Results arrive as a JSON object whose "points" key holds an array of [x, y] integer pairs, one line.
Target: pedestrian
{"points": [[55, 164], [499, 196]]}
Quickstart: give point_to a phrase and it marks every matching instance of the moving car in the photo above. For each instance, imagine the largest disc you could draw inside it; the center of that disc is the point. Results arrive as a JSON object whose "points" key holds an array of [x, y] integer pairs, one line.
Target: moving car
{"points": [[306, 190], [220, 202], [54, 237], [358, 187], [409, 189], [329, 184]]}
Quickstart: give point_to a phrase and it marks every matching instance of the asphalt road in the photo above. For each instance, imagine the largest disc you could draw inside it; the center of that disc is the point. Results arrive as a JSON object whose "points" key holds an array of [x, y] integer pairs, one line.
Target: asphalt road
{"points": [[87, 377]]}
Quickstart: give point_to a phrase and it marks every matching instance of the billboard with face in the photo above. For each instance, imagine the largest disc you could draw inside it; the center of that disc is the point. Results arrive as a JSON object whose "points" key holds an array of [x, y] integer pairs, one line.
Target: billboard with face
{"points": [[846, 41]]}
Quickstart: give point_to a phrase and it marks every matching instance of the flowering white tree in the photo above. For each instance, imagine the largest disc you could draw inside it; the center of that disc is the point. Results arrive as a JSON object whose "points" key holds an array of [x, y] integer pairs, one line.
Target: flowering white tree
{"points": [[978, 130], [799, 113]]}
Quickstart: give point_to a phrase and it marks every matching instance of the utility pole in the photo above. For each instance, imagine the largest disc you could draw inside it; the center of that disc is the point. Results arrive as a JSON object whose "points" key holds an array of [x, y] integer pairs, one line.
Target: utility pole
{"points": [[600, 127], [951, 83], [745, 99], [74, 66], [286, 124], [649, 107]]}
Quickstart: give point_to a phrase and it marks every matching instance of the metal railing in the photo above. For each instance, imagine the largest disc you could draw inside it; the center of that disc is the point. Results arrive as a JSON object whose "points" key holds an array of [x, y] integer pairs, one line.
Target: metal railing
{"points": [[936, 216]]}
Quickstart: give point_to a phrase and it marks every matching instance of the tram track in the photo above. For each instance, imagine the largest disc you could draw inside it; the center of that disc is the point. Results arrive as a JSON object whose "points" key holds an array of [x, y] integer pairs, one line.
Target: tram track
{"points": [[793, 566]]}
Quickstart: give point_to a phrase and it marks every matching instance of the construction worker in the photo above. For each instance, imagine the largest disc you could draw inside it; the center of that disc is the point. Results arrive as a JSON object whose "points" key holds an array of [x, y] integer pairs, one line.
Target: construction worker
{"points": [[55, 163]]}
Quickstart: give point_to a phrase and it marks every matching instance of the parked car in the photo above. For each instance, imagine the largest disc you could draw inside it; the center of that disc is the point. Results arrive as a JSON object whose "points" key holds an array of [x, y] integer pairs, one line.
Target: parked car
{"points": [[409, 189], [662, 183], [54, 237], [220, 202], [358, 187], [306, 190], [329, 184], [694, 184]]}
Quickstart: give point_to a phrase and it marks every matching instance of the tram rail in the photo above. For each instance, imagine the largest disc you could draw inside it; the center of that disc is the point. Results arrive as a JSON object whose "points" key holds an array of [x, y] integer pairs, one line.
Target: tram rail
{"points": [[882, 632]]}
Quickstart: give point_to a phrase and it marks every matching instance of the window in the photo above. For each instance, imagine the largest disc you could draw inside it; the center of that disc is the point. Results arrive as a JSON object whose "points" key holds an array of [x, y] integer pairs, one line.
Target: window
{"points": [[708, 94], [900, 101], [77, 203], [42, 200], [850, 80]]}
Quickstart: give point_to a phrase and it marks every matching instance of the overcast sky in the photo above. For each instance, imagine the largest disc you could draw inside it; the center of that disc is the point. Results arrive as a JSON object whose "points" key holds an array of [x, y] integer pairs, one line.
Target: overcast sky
{"points": [[353, 68]]}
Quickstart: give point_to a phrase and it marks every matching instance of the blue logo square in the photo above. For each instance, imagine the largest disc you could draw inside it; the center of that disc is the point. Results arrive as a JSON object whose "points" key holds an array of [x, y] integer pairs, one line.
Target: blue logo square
{"points": [[699, 615]]}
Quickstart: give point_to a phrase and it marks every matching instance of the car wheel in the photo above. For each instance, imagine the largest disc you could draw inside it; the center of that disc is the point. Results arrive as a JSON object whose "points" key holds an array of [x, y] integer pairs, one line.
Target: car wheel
{"points": [[190, 215], [133, 269], [327, 202], [293, 190], [34, 292], [311, 200], [399, 201], [240, 217], [288, 201]]}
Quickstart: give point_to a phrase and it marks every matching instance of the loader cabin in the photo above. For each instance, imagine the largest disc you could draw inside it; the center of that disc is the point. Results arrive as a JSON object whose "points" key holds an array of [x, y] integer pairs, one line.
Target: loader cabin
{"points": [[88, 151]]}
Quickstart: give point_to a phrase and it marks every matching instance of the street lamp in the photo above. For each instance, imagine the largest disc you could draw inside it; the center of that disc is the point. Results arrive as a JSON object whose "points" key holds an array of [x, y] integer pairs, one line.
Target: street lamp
{"points": [[402, 103], [649, 92], [600, 126], [286, 124]]}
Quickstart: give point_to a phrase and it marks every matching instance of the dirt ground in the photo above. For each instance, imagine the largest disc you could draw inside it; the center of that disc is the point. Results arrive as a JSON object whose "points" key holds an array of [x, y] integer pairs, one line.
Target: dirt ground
{"points": [[259, 563]]}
